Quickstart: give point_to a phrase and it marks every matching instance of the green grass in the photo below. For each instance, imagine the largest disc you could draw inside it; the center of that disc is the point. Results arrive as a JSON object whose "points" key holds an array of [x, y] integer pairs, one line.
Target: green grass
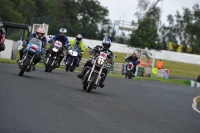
{"points": [[176, 68], [174, 81], [8, 61], [198, 100]]}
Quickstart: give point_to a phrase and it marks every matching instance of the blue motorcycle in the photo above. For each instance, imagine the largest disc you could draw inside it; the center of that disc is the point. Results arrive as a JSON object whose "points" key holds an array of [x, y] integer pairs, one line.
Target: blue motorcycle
{"points": [[72, 58], [32, 51]]}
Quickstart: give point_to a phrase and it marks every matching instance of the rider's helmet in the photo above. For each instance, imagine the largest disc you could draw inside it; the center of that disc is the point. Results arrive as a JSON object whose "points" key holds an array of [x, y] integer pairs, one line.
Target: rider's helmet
{"points": [[1, 25], [63, 31], [40, 32], [106, 43], [134, 55], [79, 37]]}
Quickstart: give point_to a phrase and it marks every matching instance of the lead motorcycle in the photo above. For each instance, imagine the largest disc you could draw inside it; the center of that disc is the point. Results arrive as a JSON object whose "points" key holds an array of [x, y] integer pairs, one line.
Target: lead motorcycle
{"points": [[32, 50], [53, 56], [93, 76]]}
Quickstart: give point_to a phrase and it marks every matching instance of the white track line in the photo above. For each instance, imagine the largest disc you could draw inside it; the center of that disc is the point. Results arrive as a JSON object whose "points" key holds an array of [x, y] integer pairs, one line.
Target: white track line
{"points": [[194, 105]]}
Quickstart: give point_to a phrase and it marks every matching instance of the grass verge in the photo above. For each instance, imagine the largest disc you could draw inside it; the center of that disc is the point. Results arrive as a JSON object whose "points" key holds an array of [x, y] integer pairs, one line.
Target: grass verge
{"points": [[174, 81], [198, 100]]}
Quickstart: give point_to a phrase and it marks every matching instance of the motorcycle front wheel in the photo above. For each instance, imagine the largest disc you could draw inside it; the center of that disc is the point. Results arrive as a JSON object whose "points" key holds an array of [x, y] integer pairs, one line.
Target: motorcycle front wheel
{"points": [[24, 66], [92, 82], [68, 64], [48, 65]]}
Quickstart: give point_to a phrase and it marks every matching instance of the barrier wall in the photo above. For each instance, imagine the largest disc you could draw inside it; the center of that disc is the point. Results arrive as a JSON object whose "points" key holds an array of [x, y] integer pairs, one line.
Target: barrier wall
{"points": [[122, 48], [7, 53], [163, 54]]}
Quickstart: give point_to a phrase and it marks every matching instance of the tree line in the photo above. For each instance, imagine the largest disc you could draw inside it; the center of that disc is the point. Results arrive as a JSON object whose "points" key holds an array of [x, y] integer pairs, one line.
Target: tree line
{"points": [[180, 34], [89, 18]]}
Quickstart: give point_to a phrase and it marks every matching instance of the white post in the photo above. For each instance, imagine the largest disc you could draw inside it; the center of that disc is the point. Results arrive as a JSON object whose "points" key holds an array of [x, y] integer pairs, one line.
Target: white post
{"points": [[154, 54], [160, 17]]}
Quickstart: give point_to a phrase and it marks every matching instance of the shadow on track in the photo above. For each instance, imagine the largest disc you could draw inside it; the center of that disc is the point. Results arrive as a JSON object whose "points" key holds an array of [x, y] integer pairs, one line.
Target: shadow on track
{"points": [[26, 76]]}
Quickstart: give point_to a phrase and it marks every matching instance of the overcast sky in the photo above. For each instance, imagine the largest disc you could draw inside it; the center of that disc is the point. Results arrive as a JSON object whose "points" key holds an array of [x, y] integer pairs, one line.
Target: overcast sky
{"points": [[126, 8]]}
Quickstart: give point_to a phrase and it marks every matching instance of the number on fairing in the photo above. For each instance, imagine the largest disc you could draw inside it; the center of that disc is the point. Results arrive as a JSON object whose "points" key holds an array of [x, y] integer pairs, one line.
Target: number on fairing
{"points": [[103, 55]]}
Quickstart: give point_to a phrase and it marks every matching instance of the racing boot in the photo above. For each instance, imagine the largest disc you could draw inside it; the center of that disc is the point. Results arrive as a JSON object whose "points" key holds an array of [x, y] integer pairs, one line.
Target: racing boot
{"points": [[60, 59], [82, 73], [101, 85]]}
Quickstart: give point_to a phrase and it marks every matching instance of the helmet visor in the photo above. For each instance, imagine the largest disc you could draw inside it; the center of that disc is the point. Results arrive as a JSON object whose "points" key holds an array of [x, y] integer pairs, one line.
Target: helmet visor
{"points": [[106, 46]]}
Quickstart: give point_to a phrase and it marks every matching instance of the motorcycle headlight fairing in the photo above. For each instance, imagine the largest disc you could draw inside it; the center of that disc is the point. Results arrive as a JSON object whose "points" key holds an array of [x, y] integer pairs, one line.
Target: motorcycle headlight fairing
{"points": [[100, 61], [55, 49]]}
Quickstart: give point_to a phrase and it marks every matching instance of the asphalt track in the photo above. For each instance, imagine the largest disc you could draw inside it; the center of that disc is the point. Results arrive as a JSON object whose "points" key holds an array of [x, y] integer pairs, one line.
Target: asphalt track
{"points": [[40, 102]]}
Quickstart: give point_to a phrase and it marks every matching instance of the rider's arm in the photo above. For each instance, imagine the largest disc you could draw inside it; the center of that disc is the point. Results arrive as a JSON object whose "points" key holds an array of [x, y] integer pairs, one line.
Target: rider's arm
{"points": [[95, 49], [82, 46], [110, 58], [71, 42], [128, 59], [54, 38], [66, 42], [2, 39], [25, 42], [44, 40]]}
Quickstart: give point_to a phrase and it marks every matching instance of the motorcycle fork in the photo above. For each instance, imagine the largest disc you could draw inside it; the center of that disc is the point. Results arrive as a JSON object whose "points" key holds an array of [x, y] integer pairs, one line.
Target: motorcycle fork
{"points": [[23, 58], [99, 75], [91, 71], [72, 62], [31, 61]]}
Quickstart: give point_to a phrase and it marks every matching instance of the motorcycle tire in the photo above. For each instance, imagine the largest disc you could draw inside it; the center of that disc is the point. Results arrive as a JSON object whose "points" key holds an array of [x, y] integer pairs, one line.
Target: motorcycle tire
{"points": [[85, 82], [68, 64], [129, 75], [48, 65], [24, 66], [92, 82]]}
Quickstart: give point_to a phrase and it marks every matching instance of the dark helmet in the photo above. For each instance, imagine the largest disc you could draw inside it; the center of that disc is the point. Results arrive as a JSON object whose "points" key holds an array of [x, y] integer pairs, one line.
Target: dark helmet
{"points": [[106, 43], [1, 25], [79, 37]]}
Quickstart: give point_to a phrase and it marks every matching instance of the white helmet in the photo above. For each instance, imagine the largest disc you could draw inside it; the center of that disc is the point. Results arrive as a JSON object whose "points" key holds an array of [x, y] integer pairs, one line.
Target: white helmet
{"points": [[63, 30], [79, 37]]}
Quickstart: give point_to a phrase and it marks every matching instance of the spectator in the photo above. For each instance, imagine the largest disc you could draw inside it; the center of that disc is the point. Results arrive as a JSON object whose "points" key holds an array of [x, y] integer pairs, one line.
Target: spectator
{"points": [[159, 64]]}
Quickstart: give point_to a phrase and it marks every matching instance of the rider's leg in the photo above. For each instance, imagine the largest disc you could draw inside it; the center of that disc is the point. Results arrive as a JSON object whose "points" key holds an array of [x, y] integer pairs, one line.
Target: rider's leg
{"points": [[103, 77], [60, 59], [87, 64], [80, 57], [2, 47], [133, 70], [36, 60]]}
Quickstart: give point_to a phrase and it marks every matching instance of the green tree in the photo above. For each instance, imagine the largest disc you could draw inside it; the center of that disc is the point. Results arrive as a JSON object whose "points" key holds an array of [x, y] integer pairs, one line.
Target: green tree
{"points": [[8, 14], [145, 36]]}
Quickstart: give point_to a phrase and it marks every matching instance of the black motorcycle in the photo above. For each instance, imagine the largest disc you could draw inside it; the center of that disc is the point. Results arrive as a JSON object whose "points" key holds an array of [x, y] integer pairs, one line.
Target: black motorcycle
{"points": [[92, 78], [53, 56]]}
